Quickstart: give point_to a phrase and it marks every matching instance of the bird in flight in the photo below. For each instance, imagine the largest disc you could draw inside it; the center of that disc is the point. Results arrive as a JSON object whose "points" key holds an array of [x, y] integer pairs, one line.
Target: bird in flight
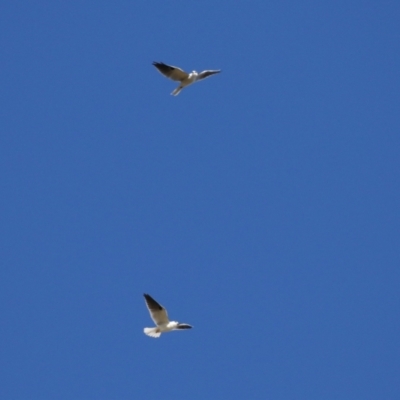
{"points": [[160, 317], [185, 79]]}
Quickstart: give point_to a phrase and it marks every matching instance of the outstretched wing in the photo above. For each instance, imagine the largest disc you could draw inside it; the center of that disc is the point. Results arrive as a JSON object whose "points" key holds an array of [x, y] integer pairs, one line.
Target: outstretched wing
{"points": [[174, 73], [207, 73], [184, 326], [157, 312]]}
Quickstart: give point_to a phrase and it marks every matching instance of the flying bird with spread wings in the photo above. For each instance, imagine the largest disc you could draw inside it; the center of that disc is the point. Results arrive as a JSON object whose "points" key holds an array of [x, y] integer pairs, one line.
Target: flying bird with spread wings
{"points": [[160, 317], [185, 79]]}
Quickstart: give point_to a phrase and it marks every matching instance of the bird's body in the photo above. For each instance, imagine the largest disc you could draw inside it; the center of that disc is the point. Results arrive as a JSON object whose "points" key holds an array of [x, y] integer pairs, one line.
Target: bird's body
{"points": [[160, 317], [185, 79]]}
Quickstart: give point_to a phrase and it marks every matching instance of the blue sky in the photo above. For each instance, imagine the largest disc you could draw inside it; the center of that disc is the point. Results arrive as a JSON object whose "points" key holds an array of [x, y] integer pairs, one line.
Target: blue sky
{"points": [[260, 205]]}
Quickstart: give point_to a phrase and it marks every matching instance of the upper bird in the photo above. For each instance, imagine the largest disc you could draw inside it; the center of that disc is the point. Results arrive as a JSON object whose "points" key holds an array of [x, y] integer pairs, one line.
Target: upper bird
{"points": [[160, 317], [185, 79]]}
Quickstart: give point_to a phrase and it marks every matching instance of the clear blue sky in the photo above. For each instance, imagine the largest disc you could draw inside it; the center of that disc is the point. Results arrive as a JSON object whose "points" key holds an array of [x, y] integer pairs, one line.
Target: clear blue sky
{"points": [[261, 205]]}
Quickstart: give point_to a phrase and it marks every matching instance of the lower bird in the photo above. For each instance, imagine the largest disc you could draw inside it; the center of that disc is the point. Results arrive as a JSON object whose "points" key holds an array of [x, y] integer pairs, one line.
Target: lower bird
{"points": [[185, 79], [160, 317]]}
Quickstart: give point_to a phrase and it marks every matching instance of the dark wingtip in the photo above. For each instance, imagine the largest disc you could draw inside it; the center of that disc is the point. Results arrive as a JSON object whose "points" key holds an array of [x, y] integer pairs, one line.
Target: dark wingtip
{"points": [[185, 326]]}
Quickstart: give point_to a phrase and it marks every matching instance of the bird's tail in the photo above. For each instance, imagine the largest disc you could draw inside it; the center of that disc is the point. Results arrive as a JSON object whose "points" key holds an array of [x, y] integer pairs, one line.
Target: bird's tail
{"points": [[153, 332], [177, 91]]}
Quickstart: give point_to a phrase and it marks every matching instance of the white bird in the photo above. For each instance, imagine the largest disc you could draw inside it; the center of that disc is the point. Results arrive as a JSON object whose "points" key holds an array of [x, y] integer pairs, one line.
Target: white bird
{"points": [[160, 317], [185, 79]]}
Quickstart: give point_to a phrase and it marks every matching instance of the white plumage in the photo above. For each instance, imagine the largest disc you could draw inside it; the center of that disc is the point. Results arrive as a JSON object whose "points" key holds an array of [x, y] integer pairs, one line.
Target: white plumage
{"points": [[160, 317], [185, 79]]}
